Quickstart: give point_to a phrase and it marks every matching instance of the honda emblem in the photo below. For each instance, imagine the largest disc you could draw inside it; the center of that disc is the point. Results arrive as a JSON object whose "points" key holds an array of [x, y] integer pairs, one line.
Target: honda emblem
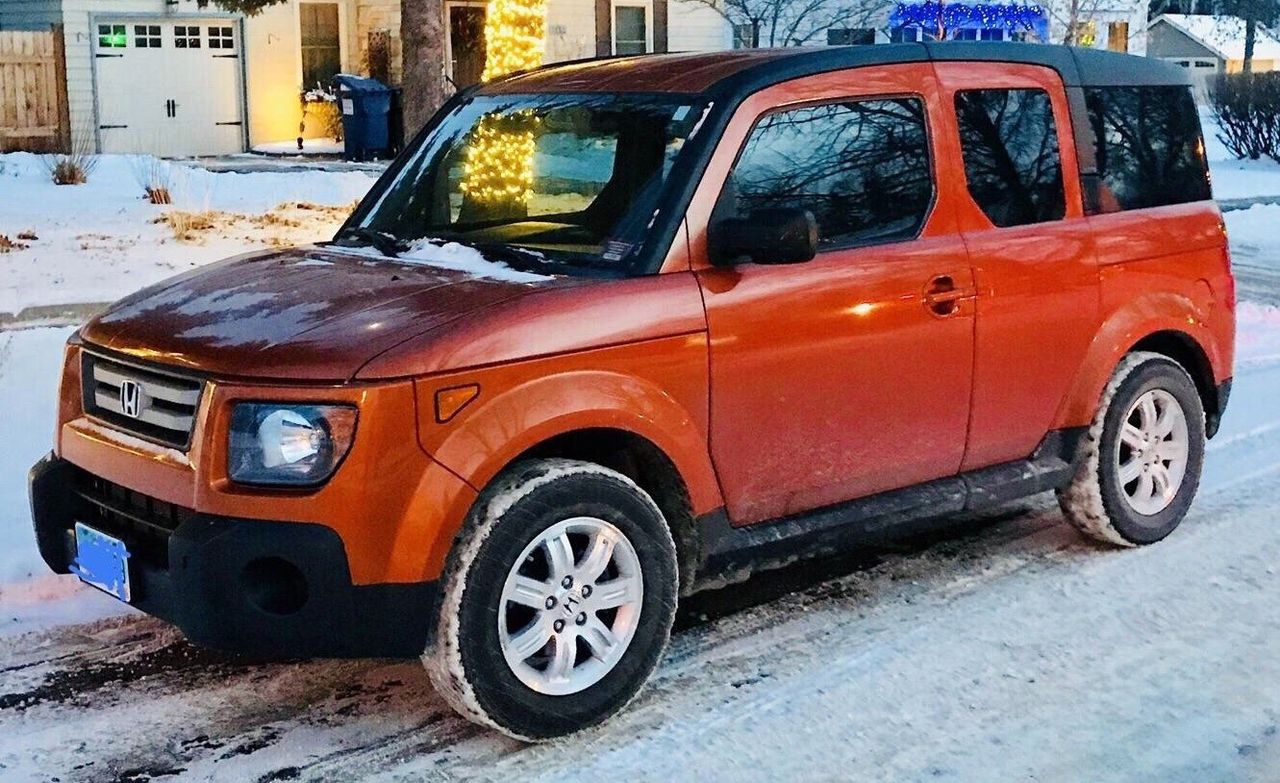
{"points": [[131, 399]]}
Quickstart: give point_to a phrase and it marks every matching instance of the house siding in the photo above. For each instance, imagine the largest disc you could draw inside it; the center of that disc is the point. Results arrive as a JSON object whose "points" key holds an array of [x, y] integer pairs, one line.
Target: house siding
{"points": [[1166, 41], [29, 14], [694, 27]]}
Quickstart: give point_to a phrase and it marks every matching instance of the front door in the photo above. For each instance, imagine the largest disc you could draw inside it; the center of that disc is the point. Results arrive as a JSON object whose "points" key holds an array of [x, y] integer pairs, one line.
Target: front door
{"points": [[849, 374]]}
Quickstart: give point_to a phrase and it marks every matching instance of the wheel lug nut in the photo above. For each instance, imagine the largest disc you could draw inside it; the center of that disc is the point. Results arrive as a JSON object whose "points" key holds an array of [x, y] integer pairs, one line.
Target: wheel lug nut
{"points": [[558, 625], [551, 602], [581, 619], [586, 591], [567, 582]]}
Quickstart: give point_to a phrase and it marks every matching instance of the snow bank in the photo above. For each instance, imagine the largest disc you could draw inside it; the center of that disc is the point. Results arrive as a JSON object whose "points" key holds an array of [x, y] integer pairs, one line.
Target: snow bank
{"points": [[1234, 178]]}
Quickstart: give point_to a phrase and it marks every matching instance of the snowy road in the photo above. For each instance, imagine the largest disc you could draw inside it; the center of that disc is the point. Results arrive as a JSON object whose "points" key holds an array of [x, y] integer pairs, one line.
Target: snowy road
{"points": [[1011, 651]]}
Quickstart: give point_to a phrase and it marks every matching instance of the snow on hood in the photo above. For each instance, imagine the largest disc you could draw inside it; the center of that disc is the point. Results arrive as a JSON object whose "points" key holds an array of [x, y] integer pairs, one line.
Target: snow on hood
{"points": [[456, 257]]}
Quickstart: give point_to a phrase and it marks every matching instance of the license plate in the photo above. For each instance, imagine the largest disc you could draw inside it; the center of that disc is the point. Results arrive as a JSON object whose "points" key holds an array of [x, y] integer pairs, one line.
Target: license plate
{"points": [[102, 561]]}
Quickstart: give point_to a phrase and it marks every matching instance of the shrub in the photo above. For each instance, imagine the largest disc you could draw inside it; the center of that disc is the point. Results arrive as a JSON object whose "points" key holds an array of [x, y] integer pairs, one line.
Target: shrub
{"points": [[75, 166], [1247, 110], [154, 176]]}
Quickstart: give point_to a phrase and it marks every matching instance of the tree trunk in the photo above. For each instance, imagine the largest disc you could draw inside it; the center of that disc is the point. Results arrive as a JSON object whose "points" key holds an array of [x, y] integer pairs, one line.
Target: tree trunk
{"points": [[422, 35], [1250, 39]]}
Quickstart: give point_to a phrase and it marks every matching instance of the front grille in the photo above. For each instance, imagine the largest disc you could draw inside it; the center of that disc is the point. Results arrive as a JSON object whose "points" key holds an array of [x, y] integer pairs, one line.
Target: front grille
{"points": [[157, 405], [141, 522]]}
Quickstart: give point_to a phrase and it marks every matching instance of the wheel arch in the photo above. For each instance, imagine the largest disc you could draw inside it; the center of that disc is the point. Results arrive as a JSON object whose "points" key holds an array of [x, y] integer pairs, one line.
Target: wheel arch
{"points": [[1186, 341]]}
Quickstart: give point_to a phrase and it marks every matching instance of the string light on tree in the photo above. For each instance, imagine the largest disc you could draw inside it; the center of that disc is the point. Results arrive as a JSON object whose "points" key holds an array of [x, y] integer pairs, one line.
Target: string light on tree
{"points": [[948, 17], [498, 169]]}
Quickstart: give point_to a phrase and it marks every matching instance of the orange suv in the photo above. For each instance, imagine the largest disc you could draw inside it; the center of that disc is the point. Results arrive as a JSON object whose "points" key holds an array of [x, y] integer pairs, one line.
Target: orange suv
{"points": [[611, 331]]}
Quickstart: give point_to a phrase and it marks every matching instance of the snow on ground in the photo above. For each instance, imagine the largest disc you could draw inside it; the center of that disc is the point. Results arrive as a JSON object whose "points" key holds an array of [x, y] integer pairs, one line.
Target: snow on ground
{"points": [[1233, 178], [309, 147], [98, 241]]}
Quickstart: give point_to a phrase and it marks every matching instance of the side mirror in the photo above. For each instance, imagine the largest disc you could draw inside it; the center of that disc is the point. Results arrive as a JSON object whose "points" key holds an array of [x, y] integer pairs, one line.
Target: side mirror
{"points": [[777, 235]]}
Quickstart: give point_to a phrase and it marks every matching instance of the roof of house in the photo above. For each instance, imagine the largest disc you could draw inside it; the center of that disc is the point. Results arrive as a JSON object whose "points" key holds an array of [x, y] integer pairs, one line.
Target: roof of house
{"points": [[736, 73], [1223, 35]]}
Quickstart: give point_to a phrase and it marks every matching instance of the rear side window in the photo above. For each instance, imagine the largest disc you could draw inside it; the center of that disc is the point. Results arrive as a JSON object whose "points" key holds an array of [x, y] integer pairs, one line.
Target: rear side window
{"points": [[861, 167], [1011, 157], [1148, 146]]}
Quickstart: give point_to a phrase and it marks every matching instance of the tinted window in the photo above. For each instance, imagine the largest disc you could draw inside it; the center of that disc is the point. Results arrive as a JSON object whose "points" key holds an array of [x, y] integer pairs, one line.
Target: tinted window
{"points": [[861, 168], [1011, 158], [1148, 147]]}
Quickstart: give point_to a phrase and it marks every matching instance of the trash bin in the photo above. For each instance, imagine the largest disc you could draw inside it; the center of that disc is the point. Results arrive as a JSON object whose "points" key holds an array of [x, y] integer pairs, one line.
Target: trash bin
{"points": [[365, 104]]}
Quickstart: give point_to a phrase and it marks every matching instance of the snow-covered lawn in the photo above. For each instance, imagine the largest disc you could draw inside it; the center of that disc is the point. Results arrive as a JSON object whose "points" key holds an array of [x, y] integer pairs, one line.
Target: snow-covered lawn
{"points": [[99, 241]]}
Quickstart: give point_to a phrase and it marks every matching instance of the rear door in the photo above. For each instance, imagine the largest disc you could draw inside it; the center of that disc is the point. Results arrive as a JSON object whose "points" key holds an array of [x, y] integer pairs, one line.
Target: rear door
{"points": [[1032, 250], [850, 374]]}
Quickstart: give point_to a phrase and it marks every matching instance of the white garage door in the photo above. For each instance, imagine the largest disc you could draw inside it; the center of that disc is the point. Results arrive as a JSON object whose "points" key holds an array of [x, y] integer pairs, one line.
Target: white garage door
{"points": [[169, 87]]}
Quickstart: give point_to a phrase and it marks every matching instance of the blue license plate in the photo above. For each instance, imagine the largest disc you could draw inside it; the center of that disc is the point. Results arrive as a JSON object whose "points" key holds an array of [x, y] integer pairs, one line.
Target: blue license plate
{"points": [[102, 561]]}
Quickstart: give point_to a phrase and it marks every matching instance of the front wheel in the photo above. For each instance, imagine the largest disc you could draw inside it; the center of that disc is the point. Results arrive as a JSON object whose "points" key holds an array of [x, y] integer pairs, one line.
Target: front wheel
{"points": [[1138, 467], [558, 600]]}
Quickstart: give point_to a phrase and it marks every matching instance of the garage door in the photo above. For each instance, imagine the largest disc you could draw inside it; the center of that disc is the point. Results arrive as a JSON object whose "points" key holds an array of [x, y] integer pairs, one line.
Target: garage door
{"points": [[169, 87]]}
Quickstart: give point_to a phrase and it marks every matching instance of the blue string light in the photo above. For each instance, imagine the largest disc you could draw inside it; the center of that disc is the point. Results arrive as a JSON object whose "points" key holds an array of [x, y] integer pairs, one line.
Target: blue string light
{"points": [[929, 15]]}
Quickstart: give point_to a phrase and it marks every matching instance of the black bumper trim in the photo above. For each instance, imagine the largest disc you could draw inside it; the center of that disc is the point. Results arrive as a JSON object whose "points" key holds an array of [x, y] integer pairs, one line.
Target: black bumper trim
{"points": [[201, 589]]}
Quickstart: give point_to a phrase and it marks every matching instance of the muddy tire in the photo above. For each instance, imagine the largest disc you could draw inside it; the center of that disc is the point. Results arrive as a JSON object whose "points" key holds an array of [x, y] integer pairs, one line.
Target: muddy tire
{"points": [[557, 600], [1138, 467]]}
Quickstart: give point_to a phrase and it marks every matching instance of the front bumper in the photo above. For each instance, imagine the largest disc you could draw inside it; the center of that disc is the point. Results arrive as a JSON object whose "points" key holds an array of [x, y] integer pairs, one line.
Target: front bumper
{"points": [[271, 589]]}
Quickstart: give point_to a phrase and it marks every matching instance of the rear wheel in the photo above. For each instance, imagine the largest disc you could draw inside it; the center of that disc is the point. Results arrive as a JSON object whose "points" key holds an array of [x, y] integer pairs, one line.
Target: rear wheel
{"points": [[558, 600], [1138, 467]]}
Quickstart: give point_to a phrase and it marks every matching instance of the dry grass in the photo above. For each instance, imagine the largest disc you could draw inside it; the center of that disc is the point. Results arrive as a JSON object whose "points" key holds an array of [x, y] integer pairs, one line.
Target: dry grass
{"points": [[154, 176], [7, 245], [74, 167], [286, 224], [188, 226]]}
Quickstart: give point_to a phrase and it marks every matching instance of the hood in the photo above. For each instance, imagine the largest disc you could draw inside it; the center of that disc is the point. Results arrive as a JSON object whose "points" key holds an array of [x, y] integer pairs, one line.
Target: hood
{"points": [[309, 313]]}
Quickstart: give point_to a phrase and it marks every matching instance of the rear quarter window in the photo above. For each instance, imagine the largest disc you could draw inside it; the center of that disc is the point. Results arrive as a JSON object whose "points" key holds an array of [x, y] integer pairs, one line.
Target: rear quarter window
{"points": [[1148, 146]]}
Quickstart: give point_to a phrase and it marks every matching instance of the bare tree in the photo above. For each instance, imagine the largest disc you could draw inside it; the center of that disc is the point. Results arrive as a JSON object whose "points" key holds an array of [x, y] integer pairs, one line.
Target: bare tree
{"points": [[795, 22]]}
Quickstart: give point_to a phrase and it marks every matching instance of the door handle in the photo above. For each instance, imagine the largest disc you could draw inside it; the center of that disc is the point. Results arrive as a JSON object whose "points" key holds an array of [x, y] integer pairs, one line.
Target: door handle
{"points": [[942, 297]]}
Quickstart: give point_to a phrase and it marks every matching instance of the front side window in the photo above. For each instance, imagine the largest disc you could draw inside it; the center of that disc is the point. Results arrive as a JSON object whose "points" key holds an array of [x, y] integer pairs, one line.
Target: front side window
{"points": [[573, 180], [1148, 147], [1011, 158], [861, 167]]}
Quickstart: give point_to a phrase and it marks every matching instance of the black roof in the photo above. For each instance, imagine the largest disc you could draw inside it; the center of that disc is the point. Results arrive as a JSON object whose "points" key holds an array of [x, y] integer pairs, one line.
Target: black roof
{"points": [[1078, 67]]}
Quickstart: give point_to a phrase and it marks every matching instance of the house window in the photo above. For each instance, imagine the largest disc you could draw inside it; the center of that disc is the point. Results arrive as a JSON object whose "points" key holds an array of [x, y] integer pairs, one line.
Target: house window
{"points": [[1085, 34], [904, 35], [850, 36], [112, 36], [966, 35], [1206, 64], [220, 38], [186, 37], [146, 36], [992, 35], [321, 52], [743, 36], [1011, 161], [630, 29], [1118, 36]]}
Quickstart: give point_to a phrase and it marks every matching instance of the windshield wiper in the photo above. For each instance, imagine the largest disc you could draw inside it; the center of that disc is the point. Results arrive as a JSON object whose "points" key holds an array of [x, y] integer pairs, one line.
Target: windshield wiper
{"points": [[387, 244]]}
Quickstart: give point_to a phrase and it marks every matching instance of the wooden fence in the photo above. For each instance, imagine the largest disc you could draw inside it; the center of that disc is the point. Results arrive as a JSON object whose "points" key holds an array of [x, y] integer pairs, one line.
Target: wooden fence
{"points": [[33, 91]]}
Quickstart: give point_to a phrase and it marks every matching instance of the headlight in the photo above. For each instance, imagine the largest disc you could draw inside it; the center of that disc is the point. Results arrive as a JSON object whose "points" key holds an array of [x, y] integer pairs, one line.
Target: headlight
{"points": [[288, 445]]}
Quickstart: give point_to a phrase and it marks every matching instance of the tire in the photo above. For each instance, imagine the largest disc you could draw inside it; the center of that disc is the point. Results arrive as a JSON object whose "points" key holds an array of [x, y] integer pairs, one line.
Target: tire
{"points": [[1108, 498], [504, 557]]}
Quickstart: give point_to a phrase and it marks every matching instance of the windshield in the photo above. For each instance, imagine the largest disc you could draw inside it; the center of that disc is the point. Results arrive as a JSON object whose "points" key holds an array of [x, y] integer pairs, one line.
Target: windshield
{"points": [[570, 180]]}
